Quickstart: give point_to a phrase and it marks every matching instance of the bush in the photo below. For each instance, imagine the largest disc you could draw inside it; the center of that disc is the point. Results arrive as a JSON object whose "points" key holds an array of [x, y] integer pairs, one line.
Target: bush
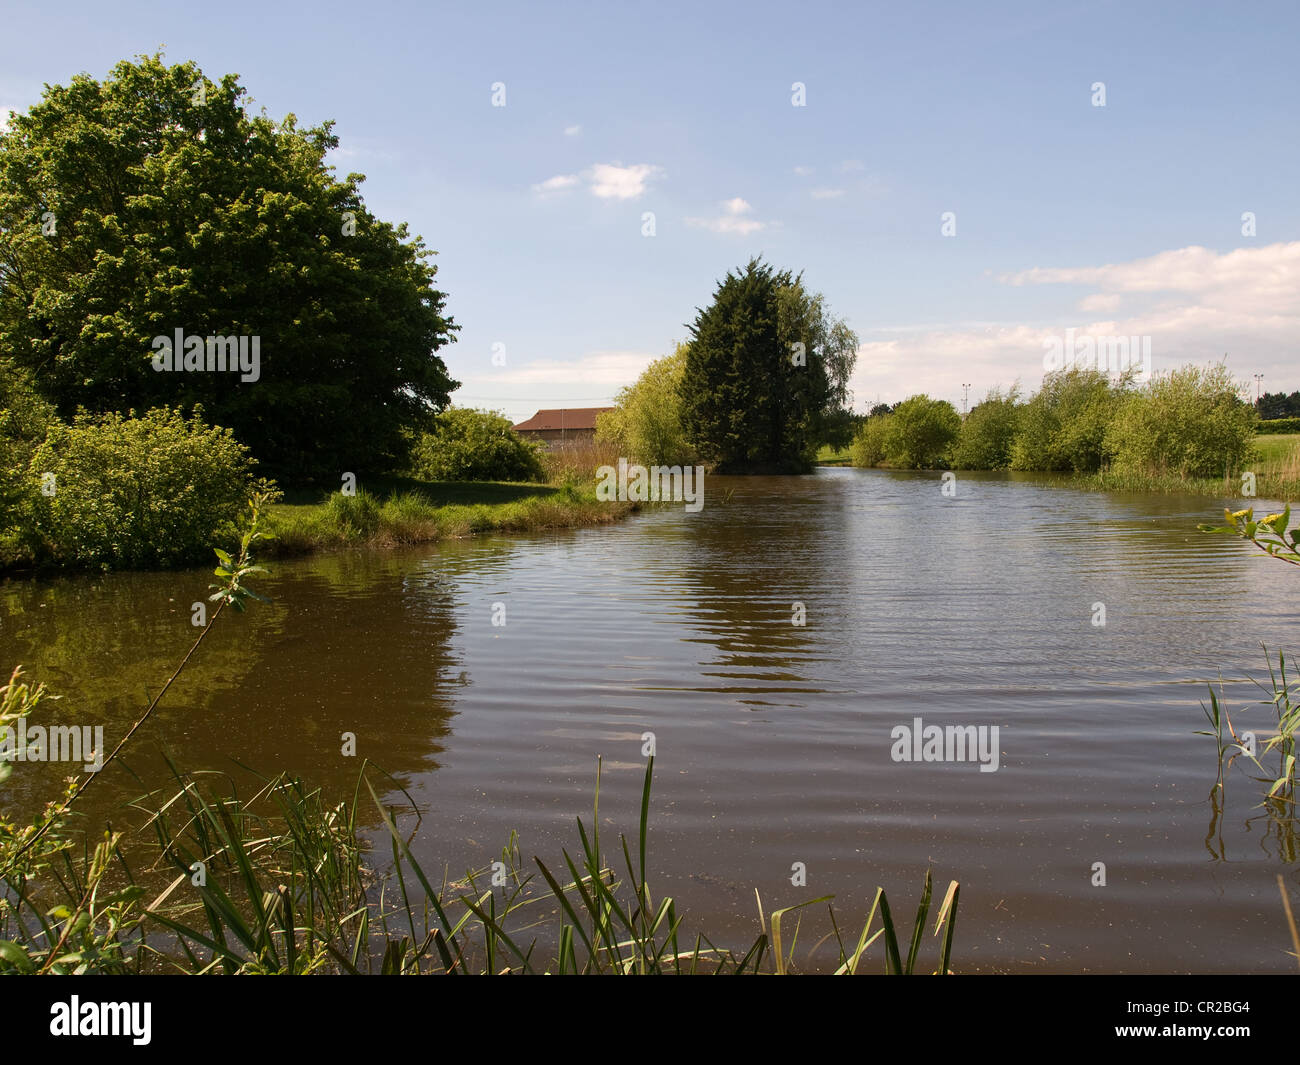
{"points": [[920, 433], [868, 447], [1064, 426], [1189, 421], [1278, 425], [475, 445], [988, 433], [25, 418], [147, 491], [646, 426]]}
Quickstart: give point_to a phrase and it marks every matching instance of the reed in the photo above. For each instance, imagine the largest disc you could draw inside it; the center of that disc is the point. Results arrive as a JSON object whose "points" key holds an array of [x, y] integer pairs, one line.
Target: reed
{"points": [[290, 893]]}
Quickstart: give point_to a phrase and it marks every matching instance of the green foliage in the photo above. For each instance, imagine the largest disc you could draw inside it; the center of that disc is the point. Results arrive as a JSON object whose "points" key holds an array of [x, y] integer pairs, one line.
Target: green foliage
{"points": [[1063, 427], [988, 432], [137, 206], [1189, 421], [233, 571], [765, 368], [920, 433], [474, 445], [24, 420], [128, 492], [1271, 534], [356, 516], [1274, 759], [839, 428], [1278, 425], [868, 447], [646, 424], [1279, 406]]}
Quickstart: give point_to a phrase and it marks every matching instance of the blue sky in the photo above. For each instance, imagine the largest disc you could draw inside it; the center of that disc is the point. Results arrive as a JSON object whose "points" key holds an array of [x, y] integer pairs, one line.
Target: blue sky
{"points": [[1122, 219]]}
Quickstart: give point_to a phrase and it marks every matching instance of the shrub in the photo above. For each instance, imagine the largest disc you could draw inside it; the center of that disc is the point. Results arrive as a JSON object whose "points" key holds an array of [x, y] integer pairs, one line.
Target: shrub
{"points": [[988, 432], [128, 491], [920, 433], [868, 447], [25, 418], [1279, 425], [646, 426], [475, 445], [1189, 421], [1063, 427]]}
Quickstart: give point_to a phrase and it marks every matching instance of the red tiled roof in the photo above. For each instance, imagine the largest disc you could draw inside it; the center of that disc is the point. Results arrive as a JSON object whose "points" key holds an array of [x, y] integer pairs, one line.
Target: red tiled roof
{"points": [[563, 418]]}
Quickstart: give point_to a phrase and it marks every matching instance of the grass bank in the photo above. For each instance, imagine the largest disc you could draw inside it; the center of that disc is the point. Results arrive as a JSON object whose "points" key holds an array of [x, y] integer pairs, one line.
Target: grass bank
{"points": [[397, 511], [1276, 467]]}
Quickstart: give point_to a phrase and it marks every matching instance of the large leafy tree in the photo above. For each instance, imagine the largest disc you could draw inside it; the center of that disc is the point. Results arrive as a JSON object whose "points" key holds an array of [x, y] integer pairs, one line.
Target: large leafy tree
{"points": [[767, 372], [154, 201]]}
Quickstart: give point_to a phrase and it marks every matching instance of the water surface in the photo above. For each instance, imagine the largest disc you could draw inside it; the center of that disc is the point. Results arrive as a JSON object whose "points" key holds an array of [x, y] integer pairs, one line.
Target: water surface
{"points": [[773, 739]]}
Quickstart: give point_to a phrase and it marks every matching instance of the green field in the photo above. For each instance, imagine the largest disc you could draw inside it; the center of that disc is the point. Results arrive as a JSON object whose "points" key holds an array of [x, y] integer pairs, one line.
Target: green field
{"points": [[1278, 447]]}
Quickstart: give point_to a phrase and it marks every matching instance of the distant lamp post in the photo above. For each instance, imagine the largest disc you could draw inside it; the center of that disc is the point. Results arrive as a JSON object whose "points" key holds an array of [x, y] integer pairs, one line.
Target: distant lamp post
{"points": [[965, 396], [1259, 378]]}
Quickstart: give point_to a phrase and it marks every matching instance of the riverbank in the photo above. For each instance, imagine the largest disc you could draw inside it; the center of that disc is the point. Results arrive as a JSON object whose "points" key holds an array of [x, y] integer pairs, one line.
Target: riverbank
{"points": [[1275, 469], [401, 511], [383, 513]]}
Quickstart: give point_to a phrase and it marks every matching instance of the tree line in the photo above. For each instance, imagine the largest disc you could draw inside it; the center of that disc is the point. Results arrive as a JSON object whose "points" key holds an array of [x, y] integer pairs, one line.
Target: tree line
{"points": [[1189, 422]]}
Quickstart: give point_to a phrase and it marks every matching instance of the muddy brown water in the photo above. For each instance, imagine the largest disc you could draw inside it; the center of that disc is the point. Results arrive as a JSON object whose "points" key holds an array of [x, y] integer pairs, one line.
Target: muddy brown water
{"points": [[773, 739]]}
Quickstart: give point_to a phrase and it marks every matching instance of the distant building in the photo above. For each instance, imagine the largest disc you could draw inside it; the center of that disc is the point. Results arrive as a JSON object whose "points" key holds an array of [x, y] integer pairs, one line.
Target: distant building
{"points": [[561, 428]]}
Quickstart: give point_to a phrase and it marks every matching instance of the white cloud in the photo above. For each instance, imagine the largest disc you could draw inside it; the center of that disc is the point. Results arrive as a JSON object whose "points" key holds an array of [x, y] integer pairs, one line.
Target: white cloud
{"points": [[606, 181], [1100, 301], [1196, 304], [558, 183], [572, 131], [1246, 279], [732, 220], [590, 380], [609, 181], [803, 171], [612, 368], [827, 194]]}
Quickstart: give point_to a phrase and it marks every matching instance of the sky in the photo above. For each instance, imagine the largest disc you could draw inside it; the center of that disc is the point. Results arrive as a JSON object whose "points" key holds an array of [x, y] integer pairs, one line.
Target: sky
{"points": [[942, 173]]}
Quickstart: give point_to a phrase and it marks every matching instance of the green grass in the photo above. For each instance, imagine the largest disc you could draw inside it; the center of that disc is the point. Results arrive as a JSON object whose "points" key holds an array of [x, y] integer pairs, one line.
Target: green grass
{"points": [[829, 456], [1278, 447], [394, 511]]}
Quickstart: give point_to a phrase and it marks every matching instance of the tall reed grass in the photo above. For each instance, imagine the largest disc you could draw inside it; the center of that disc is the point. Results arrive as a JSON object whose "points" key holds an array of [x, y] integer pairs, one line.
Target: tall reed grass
{"points": [[288, 891]]}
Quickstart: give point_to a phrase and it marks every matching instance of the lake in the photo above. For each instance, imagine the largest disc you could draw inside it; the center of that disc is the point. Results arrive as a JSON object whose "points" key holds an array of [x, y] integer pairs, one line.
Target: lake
{"points": [[773, 739]]}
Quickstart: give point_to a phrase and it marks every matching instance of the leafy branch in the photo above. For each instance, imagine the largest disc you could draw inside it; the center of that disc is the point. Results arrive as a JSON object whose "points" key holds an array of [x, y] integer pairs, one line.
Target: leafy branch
{"points": [[1269, 534]]}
